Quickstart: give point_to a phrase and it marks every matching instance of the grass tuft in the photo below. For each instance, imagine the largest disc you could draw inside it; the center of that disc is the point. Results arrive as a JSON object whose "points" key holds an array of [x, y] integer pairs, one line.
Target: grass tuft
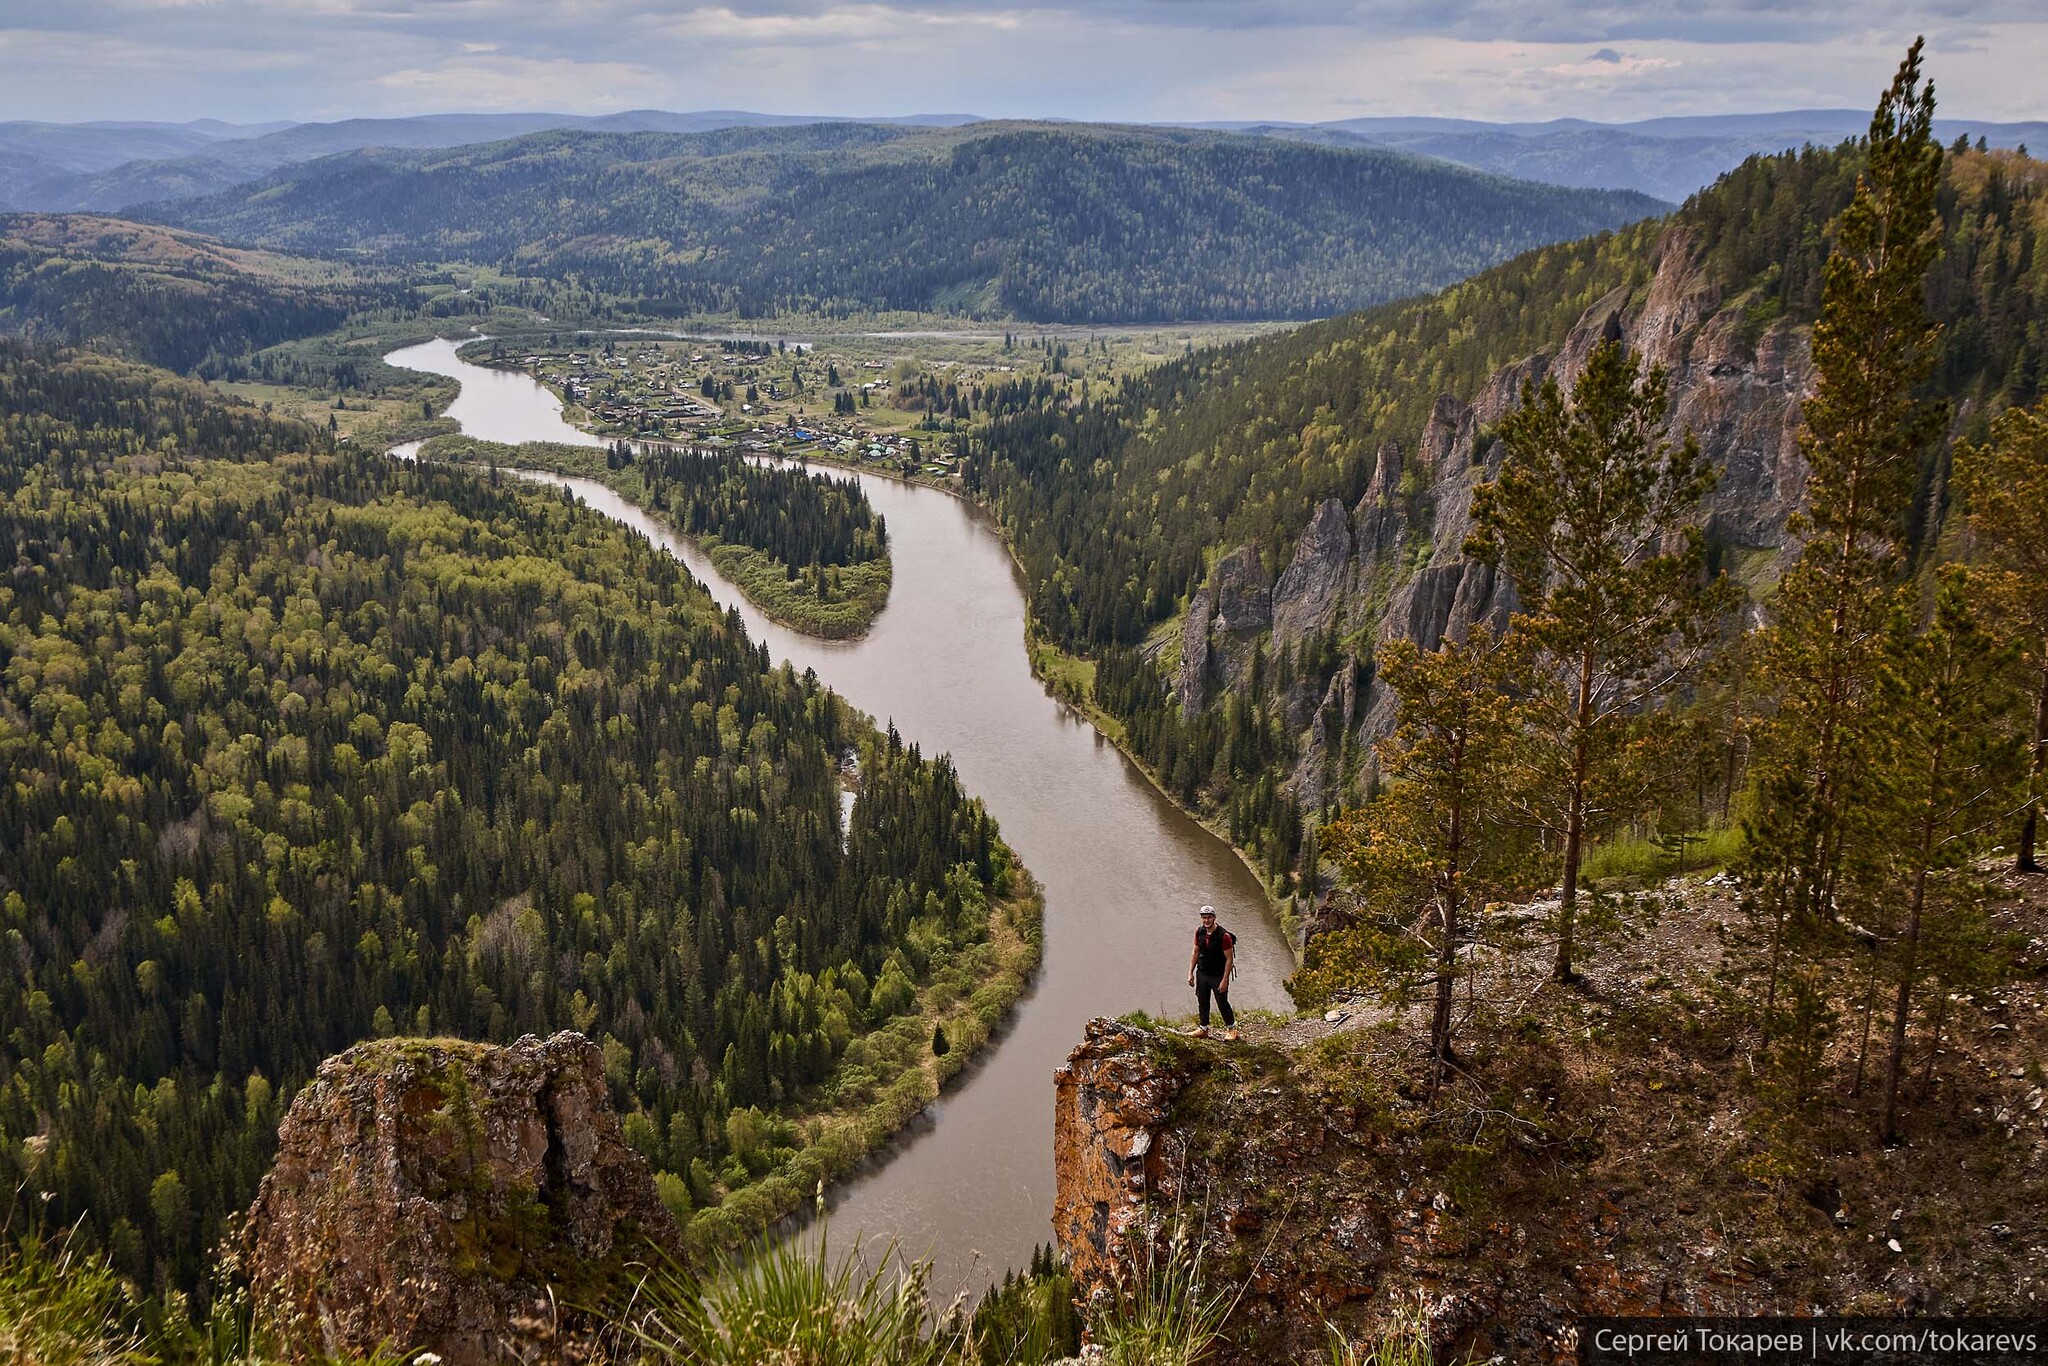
{"points": [[792, 1306], [1638, 858], [1170, 1314], [62, 1306], [1404, 1342]]}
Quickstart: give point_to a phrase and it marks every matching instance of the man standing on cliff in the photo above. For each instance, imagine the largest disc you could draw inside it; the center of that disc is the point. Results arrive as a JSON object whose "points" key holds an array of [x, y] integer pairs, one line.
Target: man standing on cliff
{"points": [[1215, 958]]}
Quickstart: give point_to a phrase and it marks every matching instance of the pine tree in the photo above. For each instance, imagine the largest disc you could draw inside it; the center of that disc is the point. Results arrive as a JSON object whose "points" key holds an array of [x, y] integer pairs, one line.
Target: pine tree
{"points": [[1594, 516], [2003, 485], [1951, 764], [1817, 858], [1436, 842]]}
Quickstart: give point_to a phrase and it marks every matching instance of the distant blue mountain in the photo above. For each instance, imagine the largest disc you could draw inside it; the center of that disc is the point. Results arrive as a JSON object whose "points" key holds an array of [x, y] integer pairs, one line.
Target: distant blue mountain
{"points": [[1669, 158], [108, 166], [100, 167]]}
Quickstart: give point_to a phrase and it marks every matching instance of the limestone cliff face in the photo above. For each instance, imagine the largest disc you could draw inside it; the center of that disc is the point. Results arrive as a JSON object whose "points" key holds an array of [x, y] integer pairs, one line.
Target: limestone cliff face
{"points": [[438, 1194], [1392, 567], [1227, 620], [1382, 518], [1194, 651], [1305, 596]]}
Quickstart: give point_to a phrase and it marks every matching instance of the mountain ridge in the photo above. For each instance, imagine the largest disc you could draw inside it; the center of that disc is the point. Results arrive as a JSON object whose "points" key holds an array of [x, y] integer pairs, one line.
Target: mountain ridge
{"points": [[1053, 222], [112, 165]]}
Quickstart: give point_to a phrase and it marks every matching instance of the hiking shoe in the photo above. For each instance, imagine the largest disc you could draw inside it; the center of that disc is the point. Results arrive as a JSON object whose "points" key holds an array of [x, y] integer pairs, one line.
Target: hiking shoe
{"points": [[1201, 1031], [1230, 1036]]}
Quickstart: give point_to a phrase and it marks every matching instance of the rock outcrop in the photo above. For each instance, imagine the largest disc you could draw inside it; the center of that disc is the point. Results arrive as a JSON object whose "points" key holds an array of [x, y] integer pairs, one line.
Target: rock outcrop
{"points": [[1226, 623], [1602, 1149], [450, 1196], [1331, 722], [1194, 652], [1244, 603], [1393, 566], [1382, 516], [1111, 1103], [1305, 596]]}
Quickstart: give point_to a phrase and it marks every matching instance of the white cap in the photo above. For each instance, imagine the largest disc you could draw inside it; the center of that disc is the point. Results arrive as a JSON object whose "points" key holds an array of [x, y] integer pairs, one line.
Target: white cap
{"points": [[1207, 910]]}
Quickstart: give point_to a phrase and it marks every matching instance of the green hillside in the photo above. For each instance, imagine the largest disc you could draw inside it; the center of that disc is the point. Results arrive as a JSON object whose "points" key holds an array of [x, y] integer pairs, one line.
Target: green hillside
{"points": [[168, 298], [302, 747], [1050, 222], [1118, 507]]}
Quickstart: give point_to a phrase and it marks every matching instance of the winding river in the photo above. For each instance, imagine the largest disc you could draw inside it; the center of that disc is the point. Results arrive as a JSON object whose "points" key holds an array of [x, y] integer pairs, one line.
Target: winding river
{"points": [[971, 1185]]}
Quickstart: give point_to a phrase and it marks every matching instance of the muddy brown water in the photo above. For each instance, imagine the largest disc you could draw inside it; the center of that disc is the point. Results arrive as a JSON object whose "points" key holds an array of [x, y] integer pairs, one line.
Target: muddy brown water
{"points": [[971, 1183]]}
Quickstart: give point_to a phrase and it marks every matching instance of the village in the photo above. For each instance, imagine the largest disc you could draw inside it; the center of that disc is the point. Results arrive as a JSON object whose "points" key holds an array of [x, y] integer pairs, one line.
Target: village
{"points": [[845, 403], [899, 402]]}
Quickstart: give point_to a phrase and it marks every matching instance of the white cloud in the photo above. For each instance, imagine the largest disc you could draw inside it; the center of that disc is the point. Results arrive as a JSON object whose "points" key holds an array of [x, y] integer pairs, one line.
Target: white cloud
{"points": [[490, 83], [723, 21], [1607, 65], [1116, 59]]}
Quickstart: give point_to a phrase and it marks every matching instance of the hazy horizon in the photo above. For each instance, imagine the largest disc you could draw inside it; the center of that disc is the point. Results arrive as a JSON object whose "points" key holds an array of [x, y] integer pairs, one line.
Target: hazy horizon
{"points": [[1153, 61], [939, 118]]}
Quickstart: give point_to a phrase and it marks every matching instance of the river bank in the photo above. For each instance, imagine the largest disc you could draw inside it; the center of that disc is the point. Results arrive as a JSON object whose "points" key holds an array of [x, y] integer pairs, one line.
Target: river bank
{"points": [[861, 601], [1056, 668], [617, 390], [1069, 679], [969, 1181], [841, 605], [965, 1003]]}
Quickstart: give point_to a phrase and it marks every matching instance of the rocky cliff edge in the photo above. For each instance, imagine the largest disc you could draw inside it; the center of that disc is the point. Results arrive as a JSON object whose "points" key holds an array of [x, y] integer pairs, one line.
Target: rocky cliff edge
{"points": [[1393, 567], [450, 1196], [1602, 1149]]}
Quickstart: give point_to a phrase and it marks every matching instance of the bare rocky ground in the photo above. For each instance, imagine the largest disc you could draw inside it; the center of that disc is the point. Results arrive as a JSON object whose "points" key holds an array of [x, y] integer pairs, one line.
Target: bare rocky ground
{"points": [[1615, 1146]]}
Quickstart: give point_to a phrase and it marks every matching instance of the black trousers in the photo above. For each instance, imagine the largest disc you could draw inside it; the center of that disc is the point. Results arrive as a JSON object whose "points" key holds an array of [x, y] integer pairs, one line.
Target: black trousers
{"points": [[1205, 984]]}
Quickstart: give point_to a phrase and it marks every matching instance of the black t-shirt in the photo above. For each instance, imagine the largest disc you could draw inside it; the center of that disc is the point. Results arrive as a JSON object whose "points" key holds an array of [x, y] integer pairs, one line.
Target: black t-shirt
{"points": [[1211, 946]]}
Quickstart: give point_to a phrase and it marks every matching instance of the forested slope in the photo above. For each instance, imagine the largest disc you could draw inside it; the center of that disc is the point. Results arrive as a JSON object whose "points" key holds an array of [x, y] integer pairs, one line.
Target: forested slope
{"points": [[302, 747], [1067, 223], [169, 298], [807, 549], [1343, 453]]}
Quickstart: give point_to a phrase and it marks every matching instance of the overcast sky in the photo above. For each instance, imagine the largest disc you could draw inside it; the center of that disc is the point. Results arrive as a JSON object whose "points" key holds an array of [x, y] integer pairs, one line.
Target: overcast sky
{"points": [[1092, 59]]}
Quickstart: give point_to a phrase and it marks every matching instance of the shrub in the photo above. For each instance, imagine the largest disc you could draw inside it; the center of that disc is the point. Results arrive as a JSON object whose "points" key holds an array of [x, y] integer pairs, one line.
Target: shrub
{"points": [[62, 1306]]}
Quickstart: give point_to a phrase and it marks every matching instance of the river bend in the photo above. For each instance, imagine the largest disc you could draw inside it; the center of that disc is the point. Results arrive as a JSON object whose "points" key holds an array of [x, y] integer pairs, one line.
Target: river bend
{"points": [[1123, 869]]}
